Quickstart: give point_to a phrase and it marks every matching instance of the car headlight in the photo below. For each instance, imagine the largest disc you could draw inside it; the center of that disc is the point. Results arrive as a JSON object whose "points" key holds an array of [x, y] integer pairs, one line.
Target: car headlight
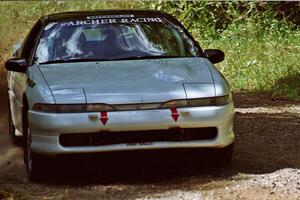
{"points": [[211, 101], [71, 108], [222, 100], [75, 108]]}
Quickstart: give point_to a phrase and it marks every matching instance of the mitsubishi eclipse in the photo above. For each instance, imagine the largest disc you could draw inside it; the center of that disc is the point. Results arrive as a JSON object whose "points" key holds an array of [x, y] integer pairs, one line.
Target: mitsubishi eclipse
{"points": [[116, 80]]}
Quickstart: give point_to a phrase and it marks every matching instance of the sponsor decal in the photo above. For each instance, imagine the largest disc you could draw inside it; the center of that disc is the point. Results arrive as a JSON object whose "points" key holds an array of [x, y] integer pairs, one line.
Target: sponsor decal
{"points": [[131, 112], [93, 117], [113, 21], [109, 16], [139, 144]]}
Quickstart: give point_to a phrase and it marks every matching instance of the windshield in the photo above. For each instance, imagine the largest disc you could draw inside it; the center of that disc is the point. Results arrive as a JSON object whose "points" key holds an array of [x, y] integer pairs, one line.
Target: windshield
{"points": [[112, 39]]}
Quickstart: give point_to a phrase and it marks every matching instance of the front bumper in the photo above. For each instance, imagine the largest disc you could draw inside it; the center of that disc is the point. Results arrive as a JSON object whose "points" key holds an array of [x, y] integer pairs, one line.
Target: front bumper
{"points": [[46, 128]]}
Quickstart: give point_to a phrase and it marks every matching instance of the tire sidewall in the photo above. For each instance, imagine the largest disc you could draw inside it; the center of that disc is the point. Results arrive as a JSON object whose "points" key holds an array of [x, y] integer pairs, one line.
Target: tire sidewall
{"points": [[27, 144], [11, 128]]}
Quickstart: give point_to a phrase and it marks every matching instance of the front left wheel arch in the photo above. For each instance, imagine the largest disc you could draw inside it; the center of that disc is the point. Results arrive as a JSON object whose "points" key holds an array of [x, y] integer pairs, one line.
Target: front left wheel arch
{"points": [[35, 164]]}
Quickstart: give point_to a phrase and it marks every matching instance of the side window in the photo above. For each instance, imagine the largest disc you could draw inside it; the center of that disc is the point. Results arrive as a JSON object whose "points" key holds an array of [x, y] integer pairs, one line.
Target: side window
{"points": [[29, 43]]}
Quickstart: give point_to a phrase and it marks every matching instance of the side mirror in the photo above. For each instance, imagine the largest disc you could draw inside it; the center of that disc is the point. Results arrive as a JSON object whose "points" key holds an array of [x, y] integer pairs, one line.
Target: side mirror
{"points": [[214, 55], [16, 65]]}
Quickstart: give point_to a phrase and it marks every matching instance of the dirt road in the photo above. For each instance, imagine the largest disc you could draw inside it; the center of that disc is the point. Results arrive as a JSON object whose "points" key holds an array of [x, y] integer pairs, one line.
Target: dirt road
{"points": [[266, 164]]}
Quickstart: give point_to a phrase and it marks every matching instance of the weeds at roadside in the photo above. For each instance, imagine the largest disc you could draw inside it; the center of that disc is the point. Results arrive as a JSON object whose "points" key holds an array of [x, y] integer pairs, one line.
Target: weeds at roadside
{"points": [[262, 50]]}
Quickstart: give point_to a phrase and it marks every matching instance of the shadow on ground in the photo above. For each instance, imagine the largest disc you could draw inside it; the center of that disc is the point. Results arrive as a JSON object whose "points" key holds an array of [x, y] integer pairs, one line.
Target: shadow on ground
{"points": [[265, 143]]}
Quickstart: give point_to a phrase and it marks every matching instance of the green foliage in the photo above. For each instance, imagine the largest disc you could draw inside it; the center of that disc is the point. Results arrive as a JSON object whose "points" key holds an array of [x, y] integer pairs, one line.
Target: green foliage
{"points": [[261, 40]]}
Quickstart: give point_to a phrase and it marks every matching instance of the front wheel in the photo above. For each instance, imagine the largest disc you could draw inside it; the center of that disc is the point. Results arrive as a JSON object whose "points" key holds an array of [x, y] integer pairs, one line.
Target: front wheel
{"points": [[33, 162]]}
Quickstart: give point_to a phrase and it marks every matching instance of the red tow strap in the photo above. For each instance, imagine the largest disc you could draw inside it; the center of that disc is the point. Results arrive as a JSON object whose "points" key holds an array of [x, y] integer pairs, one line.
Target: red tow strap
{"points": [[174, 114], [104, 118]]}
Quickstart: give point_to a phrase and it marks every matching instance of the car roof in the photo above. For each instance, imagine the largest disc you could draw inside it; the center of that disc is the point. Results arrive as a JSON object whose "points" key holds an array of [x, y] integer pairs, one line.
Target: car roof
{"points": [[63, 16]]}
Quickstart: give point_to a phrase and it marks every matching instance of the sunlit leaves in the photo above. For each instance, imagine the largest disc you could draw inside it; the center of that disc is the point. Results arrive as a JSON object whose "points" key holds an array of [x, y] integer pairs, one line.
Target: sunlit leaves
{"points": [[261, 44]]}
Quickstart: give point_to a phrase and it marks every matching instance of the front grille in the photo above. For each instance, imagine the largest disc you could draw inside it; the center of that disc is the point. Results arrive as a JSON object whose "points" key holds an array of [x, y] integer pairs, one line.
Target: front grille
{"points": [[127, 137]]}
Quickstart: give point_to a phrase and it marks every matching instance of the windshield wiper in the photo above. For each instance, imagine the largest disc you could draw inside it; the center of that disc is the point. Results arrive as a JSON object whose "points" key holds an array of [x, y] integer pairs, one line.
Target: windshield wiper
{"points": [[72, 60], [147, 57], [112, 59]]}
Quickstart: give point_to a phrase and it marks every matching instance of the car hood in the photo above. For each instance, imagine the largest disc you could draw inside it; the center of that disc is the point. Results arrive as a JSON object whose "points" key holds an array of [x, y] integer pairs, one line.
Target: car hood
{"points": [[129, 81]]}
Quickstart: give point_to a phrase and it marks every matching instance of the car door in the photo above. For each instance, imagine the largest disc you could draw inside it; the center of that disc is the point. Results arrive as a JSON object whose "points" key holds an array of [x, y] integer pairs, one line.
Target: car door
{"points": [[18, 81]]}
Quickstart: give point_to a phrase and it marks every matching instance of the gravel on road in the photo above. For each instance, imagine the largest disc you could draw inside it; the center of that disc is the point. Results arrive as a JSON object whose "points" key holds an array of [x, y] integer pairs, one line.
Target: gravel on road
{"points": [[266, 164]]}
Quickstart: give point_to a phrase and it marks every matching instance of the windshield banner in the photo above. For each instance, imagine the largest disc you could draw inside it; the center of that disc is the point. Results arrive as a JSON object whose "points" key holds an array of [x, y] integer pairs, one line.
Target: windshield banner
{"points": [[113, 21]]}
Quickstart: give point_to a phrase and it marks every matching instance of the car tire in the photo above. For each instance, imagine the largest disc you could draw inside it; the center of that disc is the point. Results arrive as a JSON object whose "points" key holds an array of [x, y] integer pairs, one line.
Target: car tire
{"points": [[34, 163], [15, 140], [223, 156]]}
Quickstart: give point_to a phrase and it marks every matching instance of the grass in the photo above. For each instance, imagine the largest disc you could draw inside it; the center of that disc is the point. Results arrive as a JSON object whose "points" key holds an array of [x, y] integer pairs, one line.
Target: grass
{"points": [[261, 62], [262, 54]]}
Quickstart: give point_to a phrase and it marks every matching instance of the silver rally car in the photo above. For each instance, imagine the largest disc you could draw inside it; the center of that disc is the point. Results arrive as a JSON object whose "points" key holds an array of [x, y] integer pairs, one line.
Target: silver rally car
{"points": [[99, 81]]}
